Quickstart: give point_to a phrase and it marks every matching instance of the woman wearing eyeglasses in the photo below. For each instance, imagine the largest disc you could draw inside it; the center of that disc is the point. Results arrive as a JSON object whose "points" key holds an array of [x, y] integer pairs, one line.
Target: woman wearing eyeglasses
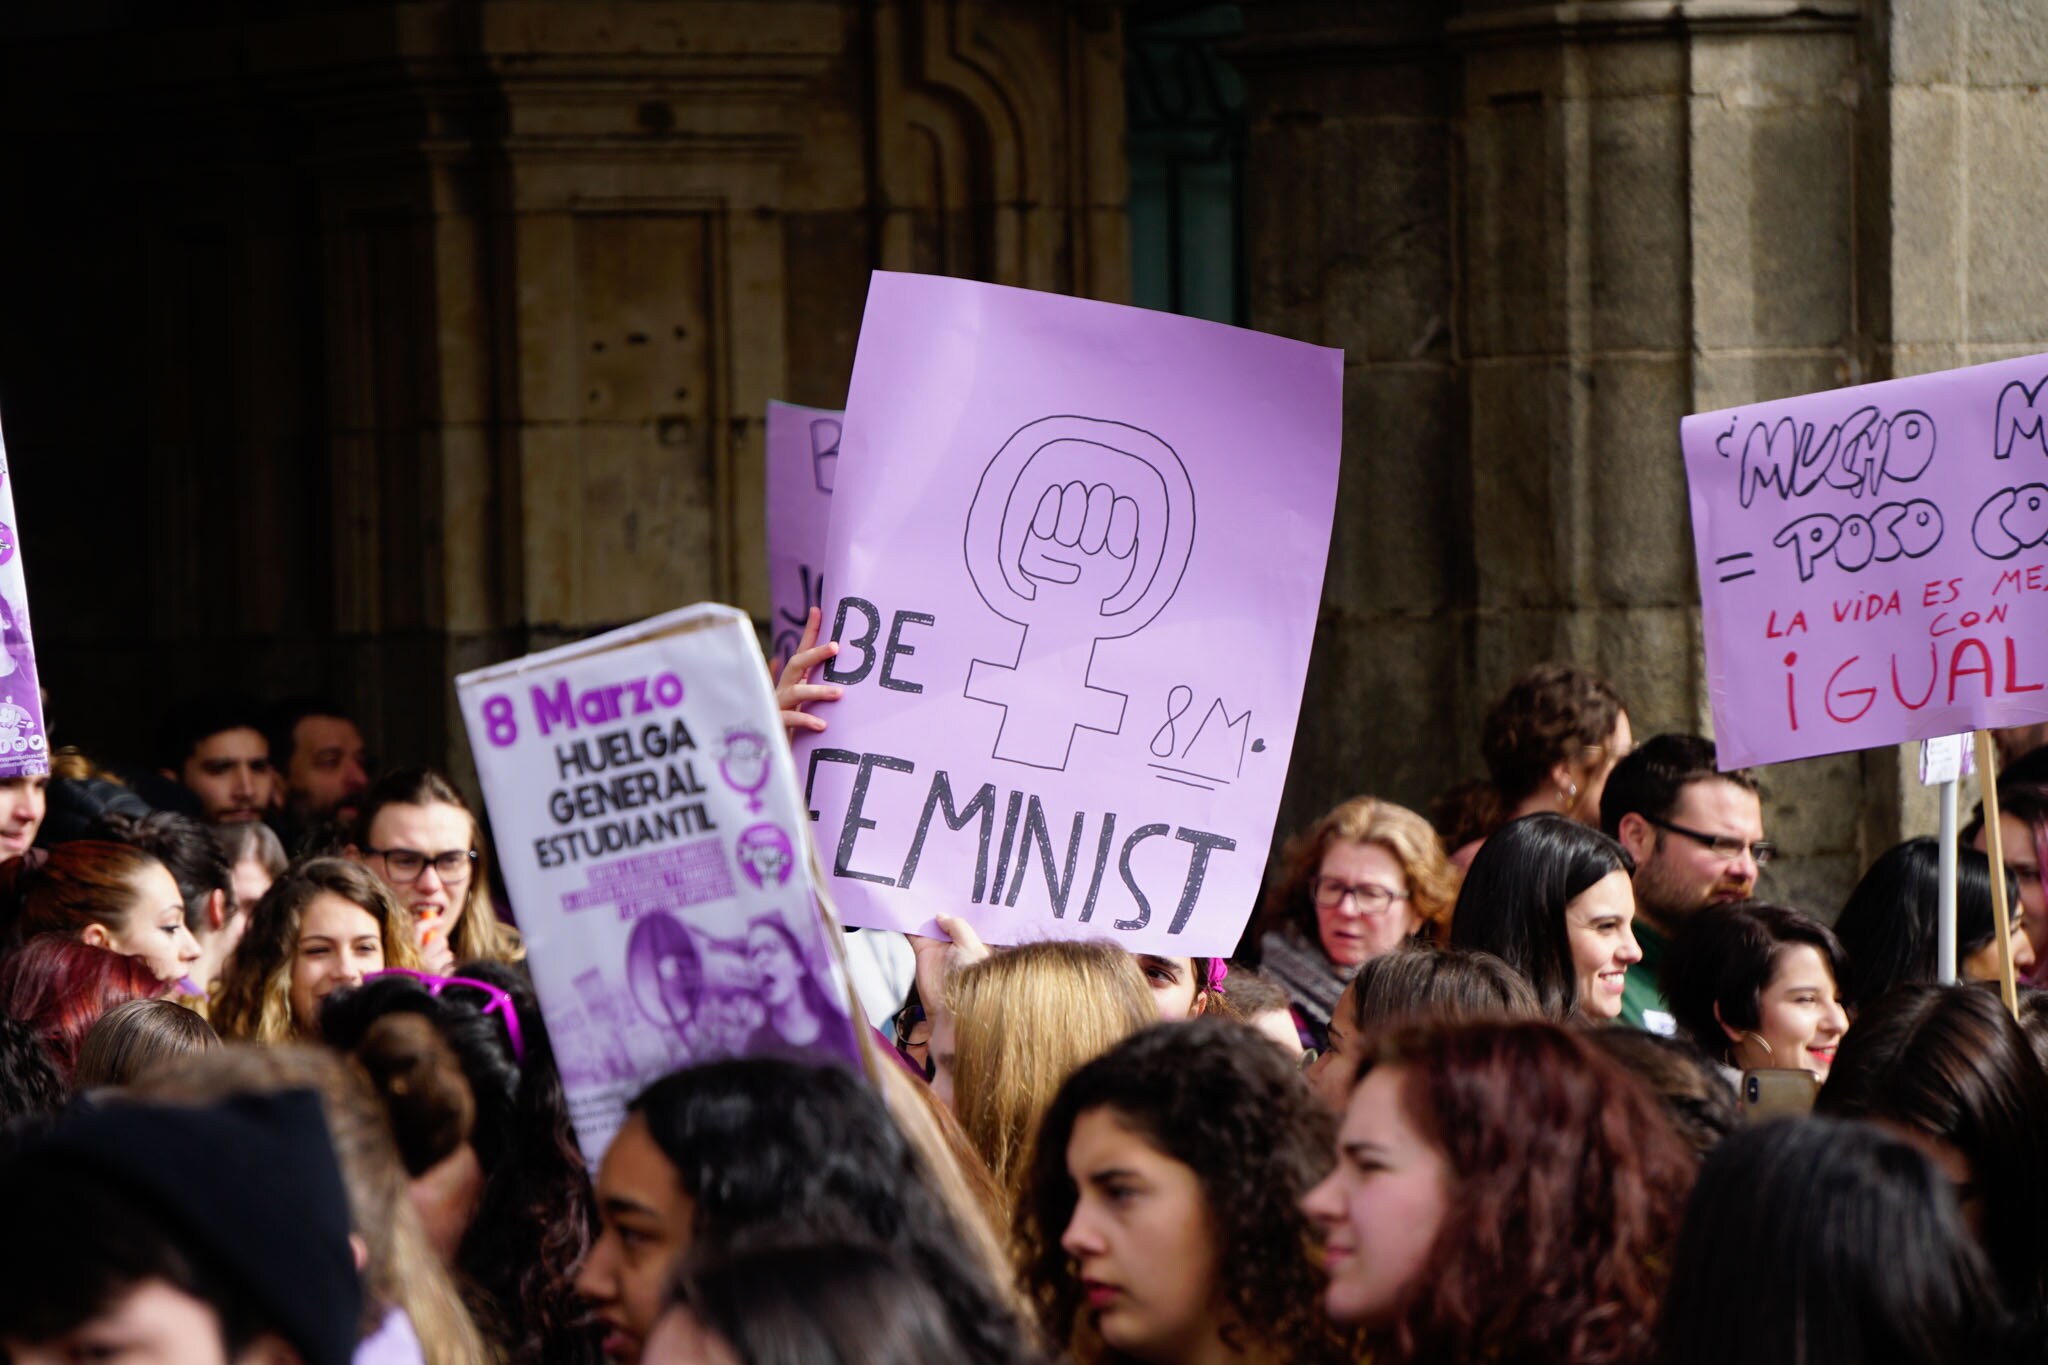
{"points": [[515, 1195], [322, 927], [420, 837], [799, 1014], [1361, 881]]}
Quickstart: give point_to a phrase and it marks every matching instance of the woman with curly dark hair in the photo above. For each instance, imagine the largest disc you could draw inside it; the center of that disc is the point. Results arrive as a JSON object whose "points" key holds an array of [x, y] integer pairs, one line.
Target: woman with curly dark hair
{"points": [[734, 1155], [1549, 743], [1162, 1220], [519, 1177], [1503, 1193]]}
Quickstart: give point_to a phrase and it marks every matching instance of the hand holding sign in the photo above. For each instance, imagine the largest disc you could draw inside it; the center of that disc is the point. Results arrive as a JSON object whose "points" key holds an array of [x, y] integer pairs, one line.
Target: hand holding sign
{"points": [[793, 687], [1017, 506]]}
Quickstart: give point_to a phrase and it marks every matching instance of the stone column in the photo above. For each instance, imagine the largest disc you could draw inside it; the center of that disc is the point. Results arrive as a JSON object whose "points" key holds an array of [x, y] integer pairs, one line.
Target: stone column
{"points": [[1349, 191], [1951, 224], [554, 278], [353, 345], [1544, 233]]}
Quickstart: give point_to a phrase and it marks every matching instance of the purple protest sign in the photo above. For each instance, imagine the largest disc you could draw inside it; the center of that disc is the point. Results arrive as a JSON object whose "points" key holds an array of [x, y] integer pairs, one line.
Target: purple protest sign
{"points": [[803, 461], [649, 827], [1872, 564], [1076, 558], [24, 749]]}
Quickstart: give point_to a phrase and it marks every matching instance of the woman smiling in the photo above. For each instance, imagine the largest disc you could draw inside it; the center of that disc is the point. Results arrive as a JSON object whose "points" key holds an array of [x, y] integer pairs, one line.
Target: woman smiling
{"points": [[1552, 899], [1756, 985]]}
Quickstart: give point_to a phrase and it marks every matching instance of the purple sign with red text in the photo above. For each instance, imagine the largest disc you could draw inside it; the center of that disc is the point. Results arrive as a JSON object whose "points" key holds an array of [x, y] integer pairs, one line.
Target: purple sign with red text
{"points": [[24, 749], [1874, 561], [1075, 562], [803, 461], [648, 824]]}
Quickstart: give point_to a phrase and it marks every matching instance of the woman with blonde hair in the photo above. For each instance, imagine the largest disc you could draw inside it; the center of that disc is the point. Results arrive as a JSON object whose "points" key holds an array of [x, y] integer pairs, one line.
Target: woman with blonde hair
{"points": [[419, 835], [1015, 1026], [321, 927], [411, 1310], [1366, 879]]}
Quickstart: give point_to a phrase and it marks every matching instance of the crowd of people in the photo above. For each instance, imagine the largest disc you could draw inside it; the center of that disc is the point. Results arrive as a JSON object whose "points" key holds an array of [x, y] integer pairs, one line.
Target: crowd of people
{"points": [[1540, 1077]]}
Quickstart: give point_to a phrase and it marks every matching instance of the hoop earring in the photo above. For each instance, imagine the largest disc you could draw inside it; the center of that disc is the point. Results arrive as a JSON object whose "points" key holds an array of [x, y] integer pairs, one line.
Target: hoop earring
{"points": [[1750, 1035]]}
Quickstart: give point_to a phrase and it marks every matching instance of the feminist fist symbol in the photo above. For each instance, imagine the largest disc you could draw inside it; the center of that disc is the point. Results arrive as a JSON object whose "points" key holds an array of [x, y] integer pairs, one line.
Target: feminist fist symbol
{"points": [[1080, 531]]}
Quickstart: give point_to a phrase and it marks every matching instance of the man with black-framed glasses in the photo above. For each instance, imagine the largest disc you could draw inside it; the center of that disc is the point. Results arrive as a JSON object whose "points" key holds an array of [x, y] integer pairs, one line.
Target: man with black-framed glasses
{"points": [[1697, 837]]}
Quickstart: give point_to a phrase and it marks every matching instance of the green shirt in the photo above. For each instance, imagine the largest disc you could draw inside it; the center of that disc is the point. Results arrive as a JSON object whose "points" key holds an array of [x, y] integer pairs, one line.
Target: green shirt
{"points": [[1642, 1003]]}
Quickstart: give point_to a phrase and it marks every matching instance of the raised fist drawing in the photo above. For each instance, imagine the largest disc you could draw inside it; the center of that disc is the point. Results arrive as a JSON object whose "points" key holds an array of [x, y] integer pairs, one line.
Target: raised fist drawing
{"points": [[1081, 538], [1080, 531]]}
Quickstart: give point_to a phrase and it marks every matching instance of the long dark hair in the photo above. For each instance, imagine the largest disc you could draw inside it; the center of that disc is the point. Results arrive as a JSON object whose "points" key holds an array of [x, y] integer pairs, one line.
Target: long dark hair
{"points": [[807, 1302], [1888, 924], [766, 1148], [1567, 1183], [1811, 1240], [1222, 1101], [1949, 1062], [1513, 901], [535, 1219]]}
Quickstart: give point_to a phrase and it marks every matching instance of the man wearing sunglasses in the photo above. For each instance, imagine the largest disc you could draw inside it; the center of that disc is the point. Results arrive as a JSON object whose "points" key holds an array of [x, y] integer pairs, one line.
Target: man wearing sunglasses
{"points": [[1697, 837]]}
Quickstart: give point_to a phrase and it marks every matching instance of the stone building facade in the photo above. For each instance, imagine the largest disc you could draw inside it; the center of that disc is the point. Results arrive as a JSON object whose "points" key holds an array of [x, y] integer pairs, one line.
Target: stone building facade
{"points": [[347, 345]]}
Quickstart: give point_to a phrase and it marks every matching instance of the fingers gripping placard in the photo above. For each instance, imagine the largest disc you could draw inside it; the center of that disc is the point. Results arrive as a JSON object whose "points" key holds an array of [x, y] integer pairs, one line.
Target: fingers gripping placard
{"points": [[648, 824], [1069, 698]]}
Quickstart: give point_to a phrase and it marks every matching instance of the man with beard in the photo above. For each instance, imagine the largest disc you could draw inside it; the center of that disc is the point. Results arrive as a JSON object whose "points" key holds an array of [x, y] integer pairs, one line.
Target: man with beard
{"points": [[317, 754], [1697, 837], [213, 761]]}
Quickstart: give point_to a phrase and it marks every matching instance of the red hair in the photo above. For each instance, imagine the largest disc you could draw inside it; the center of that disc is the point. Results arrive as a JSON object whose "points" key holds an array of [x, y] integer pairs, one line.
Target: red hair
{"points": [[85, 881], [60, 987], [1568, 1184]]}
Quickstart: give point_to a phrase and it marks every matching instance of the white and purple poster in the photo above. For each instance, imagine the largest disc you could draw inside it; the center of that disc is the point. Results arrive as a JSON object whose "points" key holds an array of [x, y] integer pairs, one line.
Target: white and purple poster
{"points": [[803, 461], [24, 748], [647, 820], [1075, 561], [1874, 561]]}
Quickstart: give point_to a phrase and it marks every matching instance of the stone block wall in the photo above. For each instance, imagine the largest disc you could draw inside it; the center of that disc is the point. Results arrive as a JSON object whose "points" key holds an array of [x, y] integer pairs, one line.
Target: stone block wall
{"points": [[1543, 234], [352, 345], [348, 345]]}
